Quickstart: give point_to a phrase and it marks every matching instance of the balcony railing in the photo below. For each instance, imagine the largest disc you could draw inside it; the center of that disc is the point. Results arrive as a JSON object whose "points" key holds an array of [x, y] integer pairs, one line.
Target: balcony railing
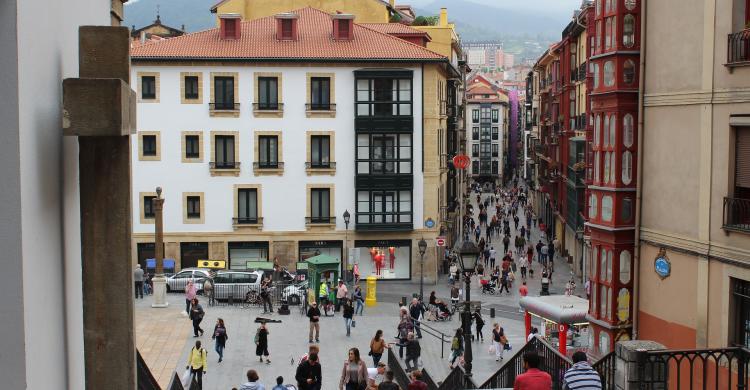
{"points": [[268, 106], [320, 107], [320, 165], [247, 221], [738, 48], [320, 220], [268, 165], [224, 165], [736, 214], [226, 106]]}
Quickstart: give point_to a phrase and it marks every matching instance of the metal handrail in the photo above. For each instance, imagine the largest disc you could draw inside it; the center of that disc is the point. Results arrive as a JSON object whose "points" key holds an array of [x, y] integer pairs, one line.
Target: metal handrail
{"points": [[247, 221], [738, 47], [320, 165], [320, 107], [224, 165], [268, 165], [268, 106], [736, 214], [444, 338], [223, 106], [606, 369]]}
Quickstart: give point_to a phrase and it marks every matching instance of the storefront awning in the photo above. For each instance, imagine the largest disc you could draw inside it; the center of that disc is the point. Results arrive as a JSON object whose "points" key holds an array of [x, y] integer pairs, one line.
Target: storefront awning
{"points": [[562, 309]]}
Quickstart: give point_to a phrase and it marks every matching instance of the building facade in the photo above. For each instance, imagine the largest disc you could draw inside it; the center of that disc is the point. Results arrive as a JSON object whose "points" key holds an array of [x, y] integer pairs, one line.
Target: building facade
{"points": [[487, 131], [255, 170]]}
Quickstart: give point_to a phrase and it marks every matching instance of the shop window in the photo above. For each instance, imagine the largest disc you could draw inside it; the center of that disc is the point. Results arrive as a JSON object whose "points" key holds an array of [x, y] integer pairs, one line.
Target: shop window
{"points": [[242, 252], [609, 74], [593, 206], [628, 72], [383, 259], [627, 167], [628, 30], [625, 267], [607, 208], [627, 130]]}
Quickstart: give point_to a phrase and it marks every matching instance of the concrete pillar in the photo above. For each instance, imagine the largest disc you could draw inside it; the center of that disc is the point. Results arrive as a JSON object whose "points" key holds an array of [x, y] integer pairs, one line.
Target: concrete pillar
{"points": [[629, 364]]}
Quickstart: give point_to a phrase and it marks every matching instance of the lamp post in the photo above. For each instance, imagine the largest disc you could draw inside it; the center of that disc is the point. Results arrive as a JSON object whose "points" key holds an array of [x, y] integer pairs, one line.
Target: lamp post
{"points": [[467, 256], [422, 249], [159, 280], [347, 218]]}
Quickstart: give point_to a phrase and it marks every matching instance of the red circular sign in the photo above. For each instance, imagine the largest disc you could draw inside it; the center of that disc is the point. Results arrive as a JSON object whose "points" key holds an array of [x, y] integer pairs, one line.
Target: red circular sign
{"points": [[461, 161], [440, 241]]}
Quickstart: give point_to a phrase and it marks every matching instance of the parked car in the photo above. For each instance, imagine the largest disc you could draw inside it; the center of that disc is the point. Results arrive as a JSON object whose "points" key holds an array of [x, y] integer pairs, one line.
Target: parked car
{"points": [[178, 281], [295, 293], [236, 284]]}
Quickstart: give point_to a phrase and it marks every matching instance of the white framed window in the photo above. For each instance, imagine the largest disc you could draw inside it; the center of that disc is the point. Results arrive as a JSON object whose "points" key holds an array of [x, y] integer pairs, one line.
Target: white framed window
{"points": [[598, 36], [628, 72], [630, 5], [628, 30], [597, 169], [609, 74], [597, 130], [592, 206], [596, 75], [627, 130], [607, 208], [607, 33], [609, 266], [606, 131], [603, 302], [612, 130], [603, 343], [625, 266], [612, 170], [606, 168], [627, 167]]}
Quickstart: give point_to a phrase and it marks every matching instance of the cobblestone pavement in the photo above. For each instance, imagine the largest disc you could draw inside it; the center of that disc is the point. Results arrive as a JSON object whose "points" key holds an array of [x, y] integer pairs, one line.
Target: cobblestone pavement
{"points": [[164, 335]]}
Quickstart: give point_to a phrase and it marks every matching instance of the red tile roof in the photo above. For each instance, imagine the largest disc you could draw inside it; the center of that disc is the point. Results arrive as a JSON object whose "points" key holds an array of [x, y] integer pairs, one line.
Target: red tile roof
{"points": [[258, 42], [394, 28]]}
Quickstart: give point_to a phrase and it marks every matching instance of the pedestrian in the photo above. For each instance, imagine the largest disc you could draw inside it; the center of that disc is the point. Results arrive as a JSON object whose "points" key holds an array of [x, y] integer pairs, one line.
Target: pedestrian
{"points": [[416, 381], [323, 292], [388, 383], [581, 376], [208, 291], [479, 323], [416, 310], [265, 295], [534, 332], [377, 347], [522, 264], [498, 341], [493, 255], [551, 254], [533, 378], [359, 300], [413, 351], [354, 372], [138, 280], [197, 363], [261, 343], [477, 233], [542, 249], [375, 376], [279, 384], [220, 337], [196, 315], [355, 271], [523, 290], [505, 281], [404, 327], [455, 292], [348, 315], [515, 221], [506, 243], [190, 293], [309, 374], [253, 382], [313, 313], [457, 346], [341, 294]]}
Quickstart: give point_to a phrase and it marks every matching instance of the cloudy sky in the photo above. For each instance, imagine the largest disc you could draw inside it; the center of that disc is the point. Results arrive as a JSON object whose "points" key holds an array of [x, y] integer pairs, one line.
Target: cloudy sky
{"points": [[559, 7]]}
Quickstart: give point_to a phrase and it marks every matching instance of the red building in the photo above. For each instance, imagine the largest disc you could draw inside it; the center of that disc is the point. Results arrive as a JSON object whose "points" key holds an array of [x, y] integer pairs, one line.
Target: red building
{"points": [[614, 38]]}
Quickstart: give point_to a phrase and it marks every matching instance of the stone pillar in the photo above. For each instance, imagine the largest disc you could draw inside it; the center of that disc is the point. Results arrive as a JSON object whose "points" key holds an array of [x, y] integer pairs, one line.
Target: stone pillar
{"points": [[630, 367]]}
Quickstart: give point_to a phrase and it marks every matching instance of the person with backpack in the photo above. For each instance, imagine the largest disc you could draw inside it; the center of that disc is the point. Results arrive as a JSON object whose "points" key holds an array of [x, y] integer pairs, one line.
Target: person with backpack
{"points": [[190, 292], [208, 291], [220, 337], [479, 323], [261, 343], [457, 346], [309, 374], [253, 382], [197, 363], [499, 341], [196, 315]]}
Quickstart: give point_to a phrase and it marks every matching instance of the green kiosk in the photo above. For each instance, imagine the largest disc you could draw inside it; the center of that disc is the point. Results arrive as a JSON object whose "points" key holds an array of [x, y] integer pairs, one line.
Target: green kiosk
{"points": [[316, 267]]}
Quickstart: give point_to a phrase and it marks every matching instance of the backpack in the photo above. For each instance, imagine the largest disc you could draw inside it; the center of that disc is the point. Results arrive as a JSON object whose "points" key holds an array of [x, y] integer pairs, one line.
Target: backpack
{"points": [[455, 344]]}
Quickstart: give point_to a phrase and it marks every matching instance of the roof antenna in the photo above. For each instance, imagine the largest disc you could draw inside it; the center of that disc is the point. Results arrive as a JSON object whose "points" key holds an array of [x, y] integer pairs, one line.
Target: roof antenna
{"points": [[158, 17]]}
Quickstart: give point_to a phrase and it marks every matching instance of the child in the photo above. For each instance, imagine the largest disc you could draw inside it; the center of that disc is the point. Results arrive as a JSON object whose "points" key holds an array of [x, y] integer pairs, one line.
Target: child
{"points": [[279, 385]]}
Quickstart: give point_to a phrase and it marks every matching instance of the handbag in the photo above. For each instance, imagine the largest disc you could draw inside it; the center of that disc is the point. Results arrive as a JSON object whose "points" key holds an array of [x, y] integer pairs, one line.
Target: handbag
{"points": [[354, 324]]}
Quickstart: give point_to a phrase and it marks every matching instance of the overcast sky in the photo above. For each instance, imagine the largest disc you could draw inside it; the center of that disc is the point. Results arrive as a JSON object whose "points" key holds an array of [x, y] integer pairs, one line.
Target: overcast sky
{"points": [[553, 6]]}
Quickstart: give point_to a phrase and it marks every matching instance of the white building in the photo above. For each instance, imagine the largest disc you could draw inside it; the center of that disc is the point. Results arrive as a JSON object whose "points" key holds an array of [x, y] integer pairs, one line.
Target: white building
{"points": [[487, 131], [264, 133]]}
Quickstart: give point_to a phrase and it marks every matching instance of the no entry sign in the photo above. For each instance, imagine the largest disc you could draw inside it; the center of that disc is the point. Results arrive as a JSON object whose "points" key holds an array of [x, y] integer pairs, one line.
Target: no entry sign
{"points": [[440, 241]]}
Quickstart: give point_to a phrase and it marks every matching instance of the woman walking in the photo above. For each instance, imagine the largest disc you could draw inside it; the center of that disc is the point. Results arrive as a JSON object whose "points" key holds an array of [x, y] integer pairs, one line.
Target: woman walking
{"points": [[359, 300], [348, 315], [196, 314], [220, 337], [261, 343], [479, 322], [354, 373], [377, 347], [457, 346], [498, 341], [190, 292]]}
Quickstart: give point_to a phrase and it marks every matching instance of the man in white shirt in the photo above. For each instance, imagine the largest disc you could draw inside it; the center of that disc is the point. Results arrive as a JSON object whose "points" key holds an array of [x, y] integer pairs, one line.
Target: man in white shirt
{"points": [[376, 375], [493, 256]]}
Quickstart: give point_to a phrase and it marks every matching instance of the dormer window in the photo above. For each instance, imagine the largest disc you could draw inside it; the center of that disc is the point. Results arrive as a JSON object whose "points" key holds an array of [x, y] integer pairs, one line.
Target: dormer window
{"points": [[286, 26], [343, 27], [229, 26], [286, 29]]}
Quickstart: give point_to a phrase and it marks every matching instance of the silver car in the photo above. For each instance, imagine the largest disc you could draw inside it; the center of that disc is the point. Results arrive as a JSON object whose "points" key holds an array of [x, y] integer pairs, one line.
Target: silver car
{"points": [[178, 281], [236, 284]]}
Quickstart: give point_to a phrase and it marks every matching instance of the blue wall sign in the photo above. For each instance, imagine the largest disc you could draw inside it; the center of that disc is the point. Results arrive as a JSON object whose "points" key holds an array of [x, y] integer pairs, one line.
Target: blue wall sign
{"points": [[429, 223], [662, 266]]}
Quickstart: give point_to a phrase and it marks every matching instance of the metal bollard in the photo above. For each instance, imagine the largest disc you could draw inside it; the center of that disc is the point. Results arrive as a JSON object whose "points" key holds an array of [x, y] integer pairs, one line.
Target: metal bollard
{"points": [[492, 312]]}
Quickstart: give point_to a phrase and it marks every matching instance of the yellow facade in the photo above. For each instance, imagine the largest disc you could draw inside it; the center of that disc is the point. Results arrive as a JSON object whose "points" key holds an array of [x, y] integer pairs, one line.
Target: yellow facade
{"points": [[444, 37], [366, 11]]}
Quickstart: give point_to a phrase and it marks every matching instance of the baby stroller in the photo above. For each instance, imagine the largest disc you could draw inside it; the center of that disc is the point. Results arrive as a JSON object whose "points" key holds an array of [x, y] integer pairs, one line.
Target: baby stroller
{"points": [[488, 286], [441, 312]]}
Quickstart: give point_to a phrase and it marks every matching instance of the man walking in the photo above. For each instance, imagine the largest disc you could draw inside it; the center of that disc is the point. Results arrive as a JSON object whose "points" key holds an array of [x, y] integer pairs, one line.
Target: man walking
{"points": [[341, 294], [309, 374], [415, 312], [197, 363], [313, 313], [581, 376], [493, 255], [138, 279], [551, 255], [533, 378]]}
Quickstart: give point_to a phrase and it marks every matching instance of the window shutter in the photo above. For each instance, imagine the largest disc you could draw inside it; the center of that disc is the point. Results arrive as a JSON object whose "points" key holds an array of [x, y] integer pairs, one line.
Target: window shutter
{"points": [[742, 158]]}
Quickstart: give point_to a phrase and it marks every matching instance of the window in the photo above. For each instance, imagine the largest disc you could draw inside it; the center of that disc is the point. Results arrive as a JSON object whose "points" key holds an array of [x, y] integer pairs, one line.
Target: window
{"points": [[609, 74], [593, 206], [740, 327], [627, 167], [320, 89], [475, 115], [485, 134], [495, 116], [594, 259], [384, 97], [599, 36], [614, 32], [343, 31], [597, 130], [628, 72], [627, 130], [596, 75], [606, 132], [609, 270], [626, 213], [742, 166], [485, 114], [224, 93], [607, 6], [148, 87], [603, 343], [599, 7], [475, 167], [191, 87], [608, 33], [484, 150], [149, 145], [612, 130], [625, 267], [606, 167], [594, 293], [597, 164], [148, 206], [495, 150], [495, 167], [268, 93], [628, 30], [192, 146], [495, 133], [475, 133], [320, 151], [268, 151], [382, 153], [630, 5], [247, 205], [224, 152], [384, 207], [193, 207], [607, 208], [286, 29], [475, 150], [603, 301], [320, 205]]}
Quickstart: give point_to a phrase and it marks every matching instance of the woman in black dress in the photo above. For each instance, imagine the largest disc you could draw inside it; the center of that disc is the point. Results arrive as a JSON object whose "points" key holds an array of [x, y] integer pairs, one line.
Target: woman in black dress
{"points": [[261, 342]]}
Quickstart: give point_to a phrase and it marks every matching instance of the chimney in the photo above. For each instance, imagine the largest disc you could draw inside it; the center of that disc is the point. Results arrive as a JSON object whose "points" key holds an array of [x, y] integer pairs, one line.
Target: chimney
{"points": [[343, 27], [229, 26], [286, 26], [443, 17], [143, 37]]}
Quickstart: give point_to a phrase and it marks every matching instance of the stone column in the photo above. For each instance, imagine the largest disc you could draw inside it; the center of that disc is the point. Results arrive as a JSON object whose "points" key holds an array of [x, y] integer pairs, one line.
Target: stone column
{"points": [[630, 367]]}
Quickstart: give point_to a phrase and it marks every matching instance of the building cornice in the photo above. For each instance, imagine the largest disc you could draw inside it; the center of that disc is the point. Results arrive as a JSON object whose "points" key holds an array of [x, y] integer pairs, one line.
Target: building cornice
{"points": [[717, 96], [695, 247]]}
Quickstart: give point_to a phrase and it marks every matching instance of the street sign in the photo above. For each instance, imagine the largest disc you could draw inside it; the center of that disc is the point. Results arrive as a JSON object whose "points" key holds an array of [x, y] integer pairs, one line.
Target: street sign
{"points": [[440, 241], [461, 161]]}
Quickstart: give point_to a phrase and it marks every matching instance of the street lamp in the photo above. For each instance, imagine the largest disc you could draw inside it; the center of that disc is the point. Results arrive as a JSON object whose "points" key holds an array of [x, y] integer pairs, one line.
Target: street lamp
{"points": [[159, 280], [422, 249], [467, 257], [347, 218]]}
